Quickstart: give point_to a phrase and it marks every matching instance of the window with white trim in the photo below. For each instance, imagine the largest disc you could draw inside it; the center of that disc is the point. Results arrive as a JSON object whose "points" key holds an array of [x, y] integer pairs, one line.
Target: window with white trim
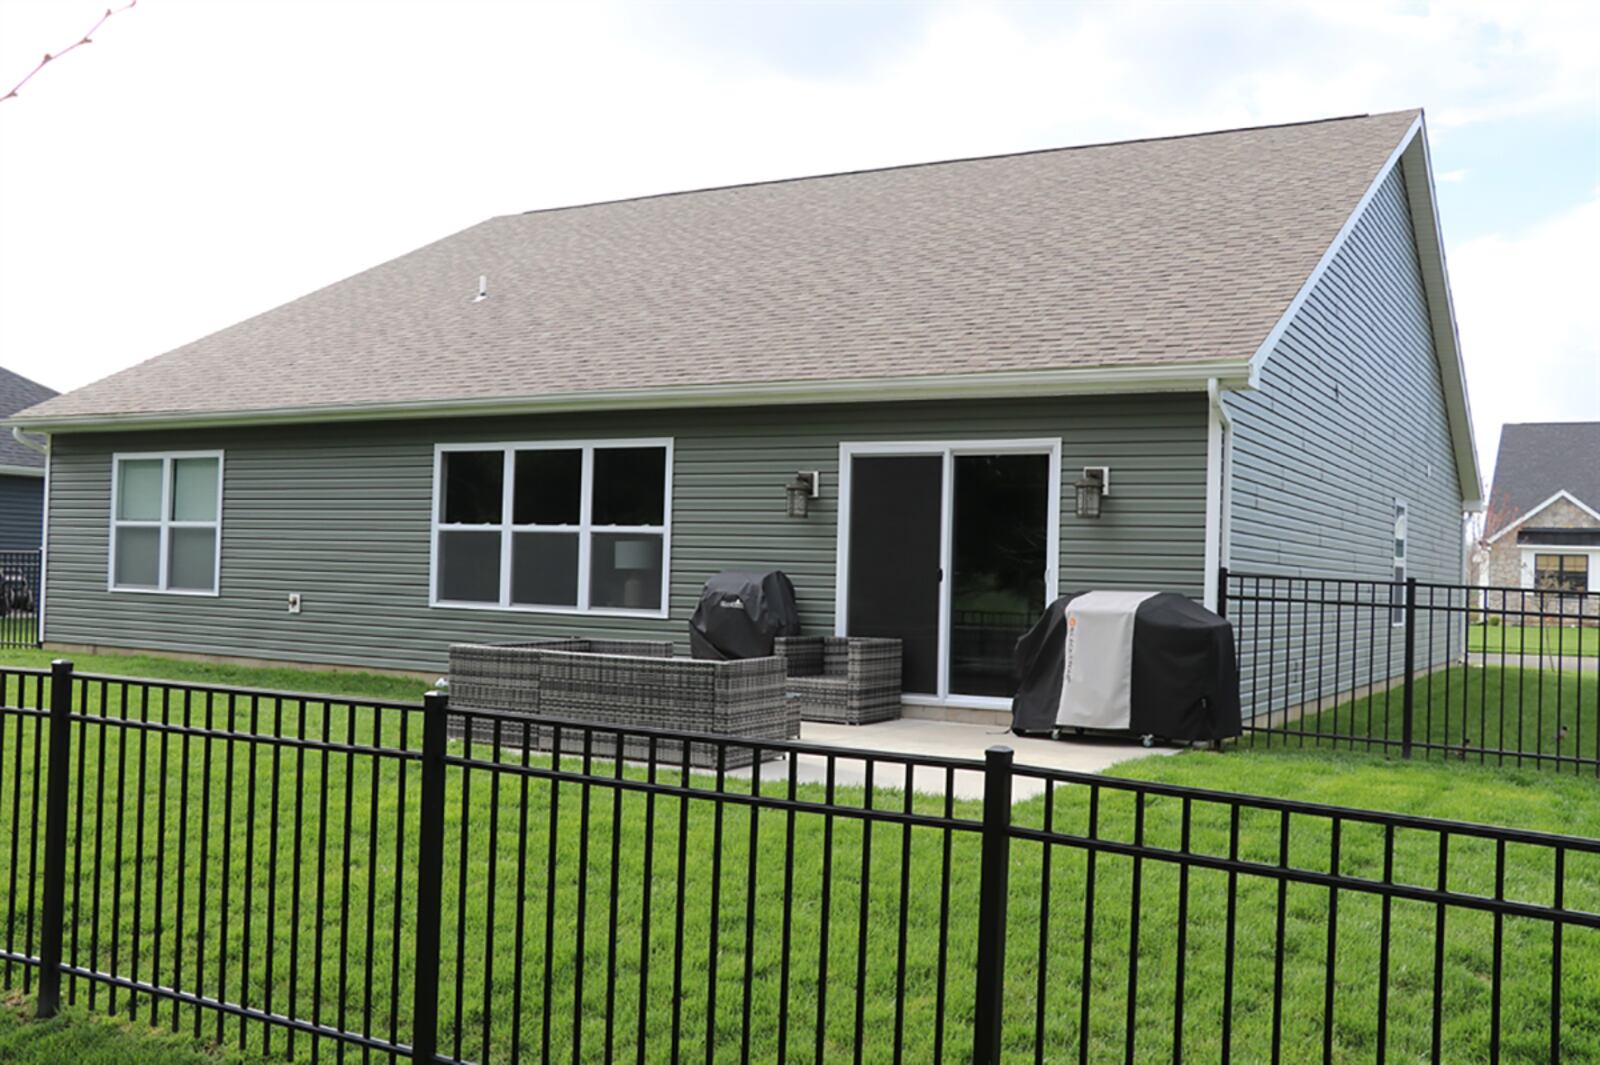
{"points": [[166, 522], [1397, 595], [562, 527], [1561, 573]]}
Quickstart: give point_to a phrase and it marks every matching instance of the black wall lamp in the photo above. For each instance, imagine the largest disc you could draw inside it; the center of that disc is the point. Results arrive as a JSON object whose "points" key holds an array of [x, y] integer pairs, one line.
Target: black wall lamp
{"points": [[806, 486], [1092, 488]]}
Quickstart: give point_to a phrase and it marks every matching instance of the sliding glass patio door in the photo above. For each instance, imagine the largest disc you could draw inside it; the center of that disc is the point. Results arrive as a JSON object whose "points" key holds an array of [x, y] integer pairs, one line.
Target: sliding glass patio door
{"points": [[950, 548]]}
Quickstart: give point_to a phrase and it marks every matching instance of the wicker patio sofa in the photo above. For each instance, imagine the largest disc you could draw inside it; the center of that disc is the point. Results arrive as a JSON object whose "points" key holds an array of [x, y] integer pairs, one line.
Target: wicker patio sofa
{"points": [[623, 683], [851, 680]]}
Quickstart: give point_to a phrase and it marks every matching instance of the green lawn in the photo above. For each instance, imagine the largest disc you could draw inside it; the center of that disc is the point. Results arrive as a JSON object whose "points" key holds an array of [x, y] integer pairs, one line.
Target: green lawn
{"points": [[1468, 709], [79, 1037], [1530, 640], [231, 821]]}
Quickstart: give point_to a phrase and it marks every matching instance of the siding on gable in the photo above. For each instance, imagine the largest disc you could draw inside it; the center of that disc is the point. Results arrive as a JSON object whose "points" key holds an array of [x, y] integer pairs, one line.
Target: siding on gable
{"points": [[341, 515], [1349, 417], [21, 513]]}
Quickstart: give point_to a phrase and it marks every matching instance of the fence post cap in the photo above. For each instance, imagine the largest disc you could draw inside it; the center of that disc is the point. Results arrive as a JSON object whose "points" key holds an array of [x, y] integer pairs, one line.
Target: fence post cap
{"points": [[61, 663], [999, 753]]}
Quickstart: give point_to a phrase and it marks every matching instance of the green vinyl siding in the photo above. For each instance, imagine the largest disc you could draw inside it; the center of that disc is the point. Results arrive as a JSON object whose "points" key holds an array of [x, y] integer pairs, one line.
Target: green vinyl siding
{"points": [[21, 506], [340, 514], [1349, 417]]}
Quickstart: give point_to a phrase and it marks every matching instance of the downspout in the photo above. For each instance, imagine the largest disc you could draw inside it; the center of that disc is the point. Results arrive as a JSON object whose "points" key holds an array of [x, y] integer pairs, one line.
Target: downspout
{"points": [[42, 447], [1219, 453]]}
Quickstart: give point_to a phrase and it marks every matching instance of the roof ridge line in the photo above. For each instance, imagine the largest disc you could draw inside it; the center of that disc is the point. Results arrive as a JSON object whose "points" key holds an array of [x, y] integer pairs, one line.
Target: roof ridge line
{"points": [[946, 162]]}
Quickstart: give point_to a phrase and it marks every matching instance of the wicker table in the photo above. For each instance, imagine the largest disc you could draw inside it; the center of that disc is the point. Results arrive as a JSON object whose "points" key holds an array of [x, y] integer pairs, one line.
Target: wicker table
{"points": [[623, 683]]}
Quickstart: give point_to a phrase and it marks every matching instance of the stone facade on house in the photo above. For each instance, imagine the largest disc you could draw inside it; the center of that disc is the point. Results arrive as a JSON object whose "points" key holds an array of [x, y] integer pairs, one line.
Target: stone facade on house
{"points": [[1503, 565]]}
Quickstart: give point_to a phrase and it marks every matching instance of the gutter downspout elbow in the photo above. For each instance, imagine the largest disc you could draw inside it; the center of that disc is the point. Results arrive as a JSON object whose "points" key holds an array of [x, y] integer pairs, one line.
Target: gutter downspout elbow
{"points": [[42, 447]]}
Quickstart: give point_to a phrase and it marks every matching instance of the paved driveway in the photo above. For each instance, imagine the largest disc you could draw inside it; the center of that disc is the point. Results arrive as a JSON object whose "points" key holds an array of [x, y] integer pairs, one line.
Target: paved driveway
{"points": [[1568, 663]]}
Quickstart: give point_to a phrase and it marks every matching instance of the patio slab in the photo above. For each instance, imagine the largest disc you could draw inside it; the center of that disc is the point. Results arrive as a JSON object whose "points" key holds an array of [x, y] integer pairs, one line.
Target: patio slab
{"points": [[947, 739]]}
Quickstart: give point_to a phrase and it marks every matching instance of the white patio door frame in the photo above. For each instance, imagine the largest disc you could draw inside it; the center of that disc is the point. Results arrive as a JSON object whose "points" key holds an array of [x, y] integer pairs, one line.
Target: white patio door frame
{"points": [[947, 450]]}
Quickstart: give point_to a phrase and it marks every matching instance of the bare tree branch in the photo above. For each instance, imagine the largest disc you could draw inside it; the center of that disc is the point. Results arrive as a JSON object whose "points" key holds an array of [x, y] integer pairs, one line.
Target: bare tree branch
{"points": [[85, 39]]}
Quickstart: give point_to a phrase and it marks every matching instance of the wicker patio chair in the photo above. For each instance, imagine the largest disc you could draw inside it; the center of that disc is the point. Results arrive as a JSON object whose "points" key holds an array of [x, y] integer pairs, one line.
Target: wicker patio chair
{"points": [[851, 680]]}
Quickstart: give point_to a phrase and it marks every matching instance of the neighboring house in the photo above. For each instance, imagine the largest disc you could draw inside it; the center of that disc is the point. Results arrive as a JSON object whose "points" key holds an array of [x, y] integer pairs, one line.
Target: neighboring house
{"points": [[21, 469], [1542, 529], [1251, 330]]}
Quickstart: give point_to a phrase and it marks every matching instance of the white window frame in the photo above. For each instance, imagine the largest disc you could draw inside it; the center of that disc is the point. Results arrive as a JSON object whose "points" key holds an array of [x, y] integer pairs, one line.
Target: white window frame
{"points": [[166, 523], [585, 527], [1401, 561], [1527, 570]]}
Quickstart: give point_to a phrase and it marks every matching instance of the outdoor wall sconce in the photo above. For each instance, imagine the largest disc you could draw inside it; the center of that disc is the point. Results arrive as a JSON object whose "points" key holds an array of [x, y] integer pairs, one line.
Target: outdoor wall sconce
{"points": [[1093, 486], [806, 486]]}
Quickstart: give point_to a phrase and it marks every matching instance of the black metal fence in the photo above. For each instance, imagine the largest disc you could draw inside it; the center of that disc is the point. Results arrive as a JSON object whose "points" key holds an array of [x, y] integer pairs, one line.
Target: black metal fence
{"points": [[303, 875], [1506, 676], [20, 574]]}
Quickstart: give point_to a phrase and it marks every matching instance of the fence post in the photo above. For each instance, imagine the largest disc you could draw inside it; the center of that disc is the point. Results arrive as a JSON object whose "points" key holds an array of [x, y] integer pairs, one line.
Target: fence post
{"points": [[430, 875], [53, 916], [1408, 702], [995, 870], [1222, 591]]}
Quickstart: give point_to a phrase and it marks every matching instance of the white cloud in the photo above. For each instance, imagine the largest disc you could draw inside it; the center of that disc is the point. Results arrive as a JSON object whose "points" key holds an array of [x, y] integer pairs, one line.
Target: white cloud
{"points": [[1529, 319], [206, 161]]}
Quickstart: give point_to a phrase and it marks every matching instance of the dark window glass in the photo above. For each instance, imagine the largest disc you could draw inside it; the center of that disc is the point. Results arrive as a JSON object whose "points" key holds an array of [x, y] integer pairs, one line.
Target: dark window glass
{"points": [[138, 559], [625, 571], [473, 482], [548, 488], [1561, 573], [544, 569], [469, 567], [629, 486], [1001, 529]]}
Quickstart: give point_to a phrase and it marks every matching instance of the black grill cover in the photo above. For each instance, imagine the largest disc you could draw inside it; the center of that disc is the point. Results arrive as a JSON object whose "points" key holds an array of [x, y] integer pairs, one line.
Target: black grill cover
{"points": [[740, 613], [1185, 679]]}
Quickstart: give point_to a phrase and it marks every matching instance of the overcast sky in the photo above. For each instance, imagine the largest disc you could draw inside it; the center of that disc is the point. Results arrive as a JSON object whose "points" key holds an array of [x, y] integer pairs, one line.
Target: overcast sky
{"points": [[204, 161]]}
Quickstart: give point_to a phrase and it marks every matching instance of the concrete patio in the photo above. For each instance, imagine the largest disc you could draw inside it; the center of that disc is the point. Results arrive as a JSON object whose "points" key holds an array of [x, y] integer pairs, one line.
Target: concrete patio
{"points": [[947, 739]]}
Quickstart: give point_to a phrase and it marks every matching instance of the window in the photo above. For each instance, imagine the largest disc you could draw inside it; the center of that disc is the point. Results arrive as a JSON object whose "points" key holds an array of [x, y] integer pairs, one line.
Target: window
{"points": [[166, 522], [1561, 573], [562, 527], [1397, 593]]}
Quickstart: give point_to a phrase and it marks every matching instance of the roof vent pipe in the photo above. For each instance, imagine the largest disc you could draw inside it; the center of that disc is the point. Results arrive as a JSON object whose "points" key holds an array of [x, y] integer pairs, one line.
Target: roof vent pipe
{"points": [[483, 289]]}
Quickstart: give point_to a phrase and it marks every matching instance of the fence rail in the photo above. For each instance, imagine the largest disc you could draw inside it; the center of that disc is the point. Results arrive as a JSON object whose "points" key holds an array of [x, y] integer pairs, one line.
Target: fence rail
{"points": [[301, 875], [1504, 676], [20, 575]]}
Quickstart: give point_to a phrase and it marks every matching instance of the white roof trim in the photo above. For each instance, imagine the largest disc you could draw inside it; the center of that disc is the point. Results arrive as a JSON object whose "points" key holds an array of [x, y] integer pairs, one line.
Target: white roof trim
{"points": [[21, 471], [1411, 155], [1180, 377], [1562, 494]]}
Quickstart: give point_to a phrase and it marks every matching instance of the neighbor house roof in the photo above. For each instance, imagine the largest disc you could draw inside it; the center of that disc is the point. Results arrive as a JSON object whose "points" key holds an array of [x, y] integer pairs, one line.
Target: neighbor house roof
{"points": [[1136, 266], [19, 393], [1538, 463]]}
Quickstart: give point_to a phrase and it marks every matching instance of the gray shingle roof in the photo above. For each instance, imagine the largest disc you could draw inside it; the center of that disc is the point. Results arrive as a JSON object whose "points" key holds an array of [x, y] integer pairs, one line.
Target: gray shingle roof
{"points": [[1539, 459], [1153, 253], [19, 393]]}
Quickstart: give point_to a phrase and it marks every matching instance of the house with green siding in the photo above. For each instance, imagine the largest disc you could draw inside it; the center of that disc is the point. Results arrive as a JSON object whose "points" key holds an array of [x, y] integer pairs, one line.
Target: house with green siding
{"points": [[890, 384]]}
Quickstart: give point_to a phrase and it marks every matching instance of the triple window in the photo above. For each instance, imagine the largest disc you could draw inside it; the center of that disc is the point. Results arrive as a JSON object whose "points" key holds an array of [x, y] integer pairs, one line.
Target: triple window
{"points": [[166, 522], [562, 527]]}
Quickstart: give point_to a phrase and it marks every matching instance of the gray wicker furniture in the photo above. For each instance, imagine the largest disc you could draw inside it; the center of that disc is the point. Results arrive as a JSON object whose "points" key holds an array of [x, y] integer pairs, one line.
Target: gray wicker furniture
{"points": [[622, 683], [851, 680]]}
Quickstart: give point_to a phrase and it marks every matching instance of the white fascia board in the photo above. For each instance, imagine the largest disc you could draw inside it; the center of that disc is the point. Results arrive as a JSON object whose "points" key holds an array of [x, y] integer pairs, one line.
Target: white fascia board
{"points": [[1264, 351], [1563, 494], [1188, 376], [21, 471], [1411, 155]]}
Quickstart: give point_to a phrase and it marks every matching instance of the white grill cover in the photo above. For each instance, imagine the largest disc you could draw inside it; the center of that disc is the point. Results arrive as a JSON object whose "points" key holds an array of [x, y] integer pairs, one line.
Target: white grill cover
{"points": [[1097, 684]]}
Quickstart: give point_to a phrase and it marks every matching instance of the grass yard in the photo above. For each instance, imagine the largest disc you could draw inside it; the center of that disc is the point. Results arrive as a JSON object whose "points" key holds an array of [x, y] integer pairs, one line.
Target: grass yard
{"points": [[83, 1038], [1468, 709], [1529, 640], [254, 833]]}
